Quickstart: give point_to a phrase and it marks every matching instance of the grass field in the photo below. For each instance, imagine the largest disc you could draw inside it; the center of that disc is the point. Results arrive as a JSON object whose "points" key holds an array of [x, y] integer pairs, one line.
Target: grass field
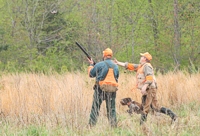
{"points": [[59, 105]]}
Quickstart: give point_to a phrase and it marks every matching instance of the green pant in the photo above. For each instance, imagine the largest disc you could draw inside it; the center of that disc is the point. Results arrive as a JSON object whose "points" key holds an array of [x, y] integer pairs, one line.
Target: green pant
{"points": [[98, 98]]}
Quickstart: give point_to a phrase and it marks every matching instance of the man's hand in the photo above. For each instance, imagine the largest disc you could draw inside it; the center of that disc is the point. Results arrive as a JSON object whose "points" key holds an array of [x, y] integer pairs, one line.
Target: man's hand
{"points": [[144, 88], [115, 61], [91, 61]]}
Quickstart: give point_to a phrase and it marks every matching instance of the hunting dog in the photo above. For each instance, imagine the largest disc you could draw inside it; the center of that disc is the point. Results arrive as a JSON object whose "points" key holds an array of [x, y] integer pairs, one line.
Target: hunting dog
{"points": [[132, 105]]}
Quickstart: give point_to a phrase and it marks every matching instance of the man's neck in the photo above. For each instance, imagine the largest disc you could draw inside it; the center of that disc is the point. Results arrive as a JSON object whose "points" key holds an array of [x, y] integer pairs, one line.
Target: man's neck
{"points": [[106, 58], [142, 63]]}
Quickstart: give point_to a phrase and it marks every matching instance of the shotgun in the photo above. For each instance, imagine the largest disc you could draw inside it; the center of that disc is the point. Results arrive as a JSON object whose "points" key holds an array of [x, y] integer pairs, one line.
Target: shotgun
{"points": [[83, 50]]}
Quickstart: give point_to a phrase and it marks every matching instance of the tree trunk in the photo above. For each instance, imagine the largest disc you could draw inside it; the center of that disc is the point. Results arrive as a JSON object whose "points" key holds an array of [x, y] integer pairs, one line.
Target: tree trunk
{"points": [[177, 43], [154, 26]]}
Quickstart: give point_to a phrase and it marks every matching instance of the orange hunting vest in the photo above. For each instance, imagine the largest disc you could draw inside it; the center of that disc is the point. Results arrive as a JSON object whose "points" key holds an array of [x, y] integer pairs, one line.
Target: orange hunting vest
{"points": [[109, 84], [140, 77]]}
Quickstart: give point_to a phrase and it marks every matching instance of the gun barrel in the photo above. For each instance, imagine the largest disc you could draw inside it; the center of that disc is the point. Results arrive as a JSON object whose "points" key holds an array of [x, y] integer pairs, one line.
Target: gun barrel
{"points": [[83, 50]]}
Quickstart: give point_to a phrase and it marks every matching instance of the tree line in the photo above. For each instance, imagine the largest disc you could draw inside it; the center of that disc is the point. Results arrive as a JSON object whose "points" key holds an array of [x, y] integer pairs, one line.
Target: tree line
{"points": [[40, 35]]}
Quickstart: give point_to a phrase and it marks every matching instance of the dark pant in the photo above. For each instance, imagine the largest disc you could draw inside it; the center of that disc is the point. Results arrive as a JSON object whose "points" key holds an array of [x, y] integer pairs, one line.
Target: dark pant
{"points": [[98, 98]]}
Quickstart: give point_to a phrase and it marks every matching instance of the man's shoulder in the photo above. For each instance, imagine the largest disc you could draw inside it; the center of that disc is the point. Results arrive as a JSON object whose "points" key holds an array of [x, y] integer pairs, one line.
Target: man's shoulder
{"points": [[100, 64], [111, 63], [148, 66]]}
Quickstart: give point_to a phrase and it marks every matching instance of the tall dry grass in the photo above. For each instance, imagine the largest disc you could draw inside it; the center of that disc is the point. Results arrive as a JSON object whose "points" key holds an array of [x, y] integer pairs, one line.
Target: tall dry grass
{"points": [[65, 100]]}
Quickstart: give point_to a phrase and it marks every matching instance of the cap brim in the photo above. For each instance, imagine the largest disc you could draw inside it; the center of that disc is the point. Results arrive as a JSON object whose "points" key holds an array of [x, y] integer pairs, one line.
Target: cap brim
{"points": [[141, 54]]}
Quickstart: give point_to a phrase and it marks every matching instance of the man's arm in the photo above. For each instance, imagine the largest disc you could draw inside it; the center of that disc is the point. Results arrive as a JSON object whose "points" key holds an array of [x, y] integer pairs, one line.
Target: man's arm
{"points": [[116, 72], [148, 72], [91, 67], [127, 65], [119, 63]]}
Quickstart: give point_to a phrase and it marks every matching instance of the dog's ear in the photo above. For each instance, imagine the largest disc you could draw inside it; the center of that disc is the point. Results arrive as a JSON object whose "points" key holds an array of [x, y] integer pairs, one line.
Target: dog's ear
{"points": [[124, 101], [129, 99]]}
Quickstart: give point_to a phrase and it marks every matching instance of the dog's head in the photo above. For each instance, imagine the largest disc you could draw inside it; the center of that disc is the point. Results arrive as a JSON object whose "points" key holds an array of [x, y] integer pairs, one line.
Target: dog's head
{"points": [[125, 101], [134, 107]]}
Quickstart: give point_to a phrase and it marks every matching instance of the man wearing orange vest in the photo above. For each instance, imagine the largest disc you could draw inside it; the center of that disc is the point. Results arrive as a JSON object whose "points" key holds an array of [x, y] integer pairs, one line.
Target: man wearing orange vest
{"points": [[106, 73], [146, 83]]}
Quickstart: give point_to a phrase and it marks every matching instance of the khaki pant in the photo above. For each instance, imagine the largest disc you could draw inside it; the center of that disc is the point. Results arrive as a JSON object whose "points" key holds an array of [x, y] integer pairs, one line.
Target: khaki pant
{"points": [[150, 101]]}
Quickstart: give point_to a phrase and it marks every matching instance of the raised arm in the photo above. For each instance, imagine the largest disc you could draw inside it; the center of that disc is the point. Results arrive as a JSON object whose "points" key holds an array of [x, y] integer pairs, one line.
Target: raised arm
{"points": [[119, 63], [129, 66]]}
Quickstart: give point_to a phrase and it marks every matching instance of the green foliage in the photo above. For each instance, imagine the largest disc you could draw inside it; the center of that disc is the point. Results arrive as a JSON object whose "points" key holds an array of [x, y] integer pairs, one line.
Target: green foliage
{"points": [[30, 32], [55, 59], [35, 131]]}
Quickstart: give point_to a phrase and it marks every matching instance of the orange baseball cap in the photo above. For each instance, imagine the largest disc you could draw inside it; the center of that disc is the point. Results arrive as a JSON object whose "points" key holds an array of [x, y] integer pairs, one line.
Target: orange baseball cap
{"points": [[107, 52], [146, 55]]}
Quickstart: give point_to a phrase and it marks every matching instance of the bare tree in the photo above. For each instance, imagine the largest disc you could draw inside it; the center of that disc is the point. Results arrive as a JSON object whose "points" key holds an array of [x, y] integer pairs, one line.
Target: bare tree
{"points": [[177, 43], [154, 25]]}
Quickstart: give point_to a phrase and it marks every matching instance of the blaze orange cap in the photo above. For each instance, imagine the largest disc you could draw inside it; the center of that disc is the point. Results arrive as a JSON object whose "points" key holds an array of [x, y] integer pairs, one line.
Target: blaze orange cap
{"points": [[146, 55], [107, 52]]}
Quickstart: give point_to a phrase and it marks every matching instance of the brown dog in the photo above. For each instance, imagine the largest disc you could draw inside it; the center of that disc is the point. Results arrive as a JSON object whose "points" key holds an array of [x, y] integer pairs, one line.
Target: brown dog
{"points": [[133, 105]]}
